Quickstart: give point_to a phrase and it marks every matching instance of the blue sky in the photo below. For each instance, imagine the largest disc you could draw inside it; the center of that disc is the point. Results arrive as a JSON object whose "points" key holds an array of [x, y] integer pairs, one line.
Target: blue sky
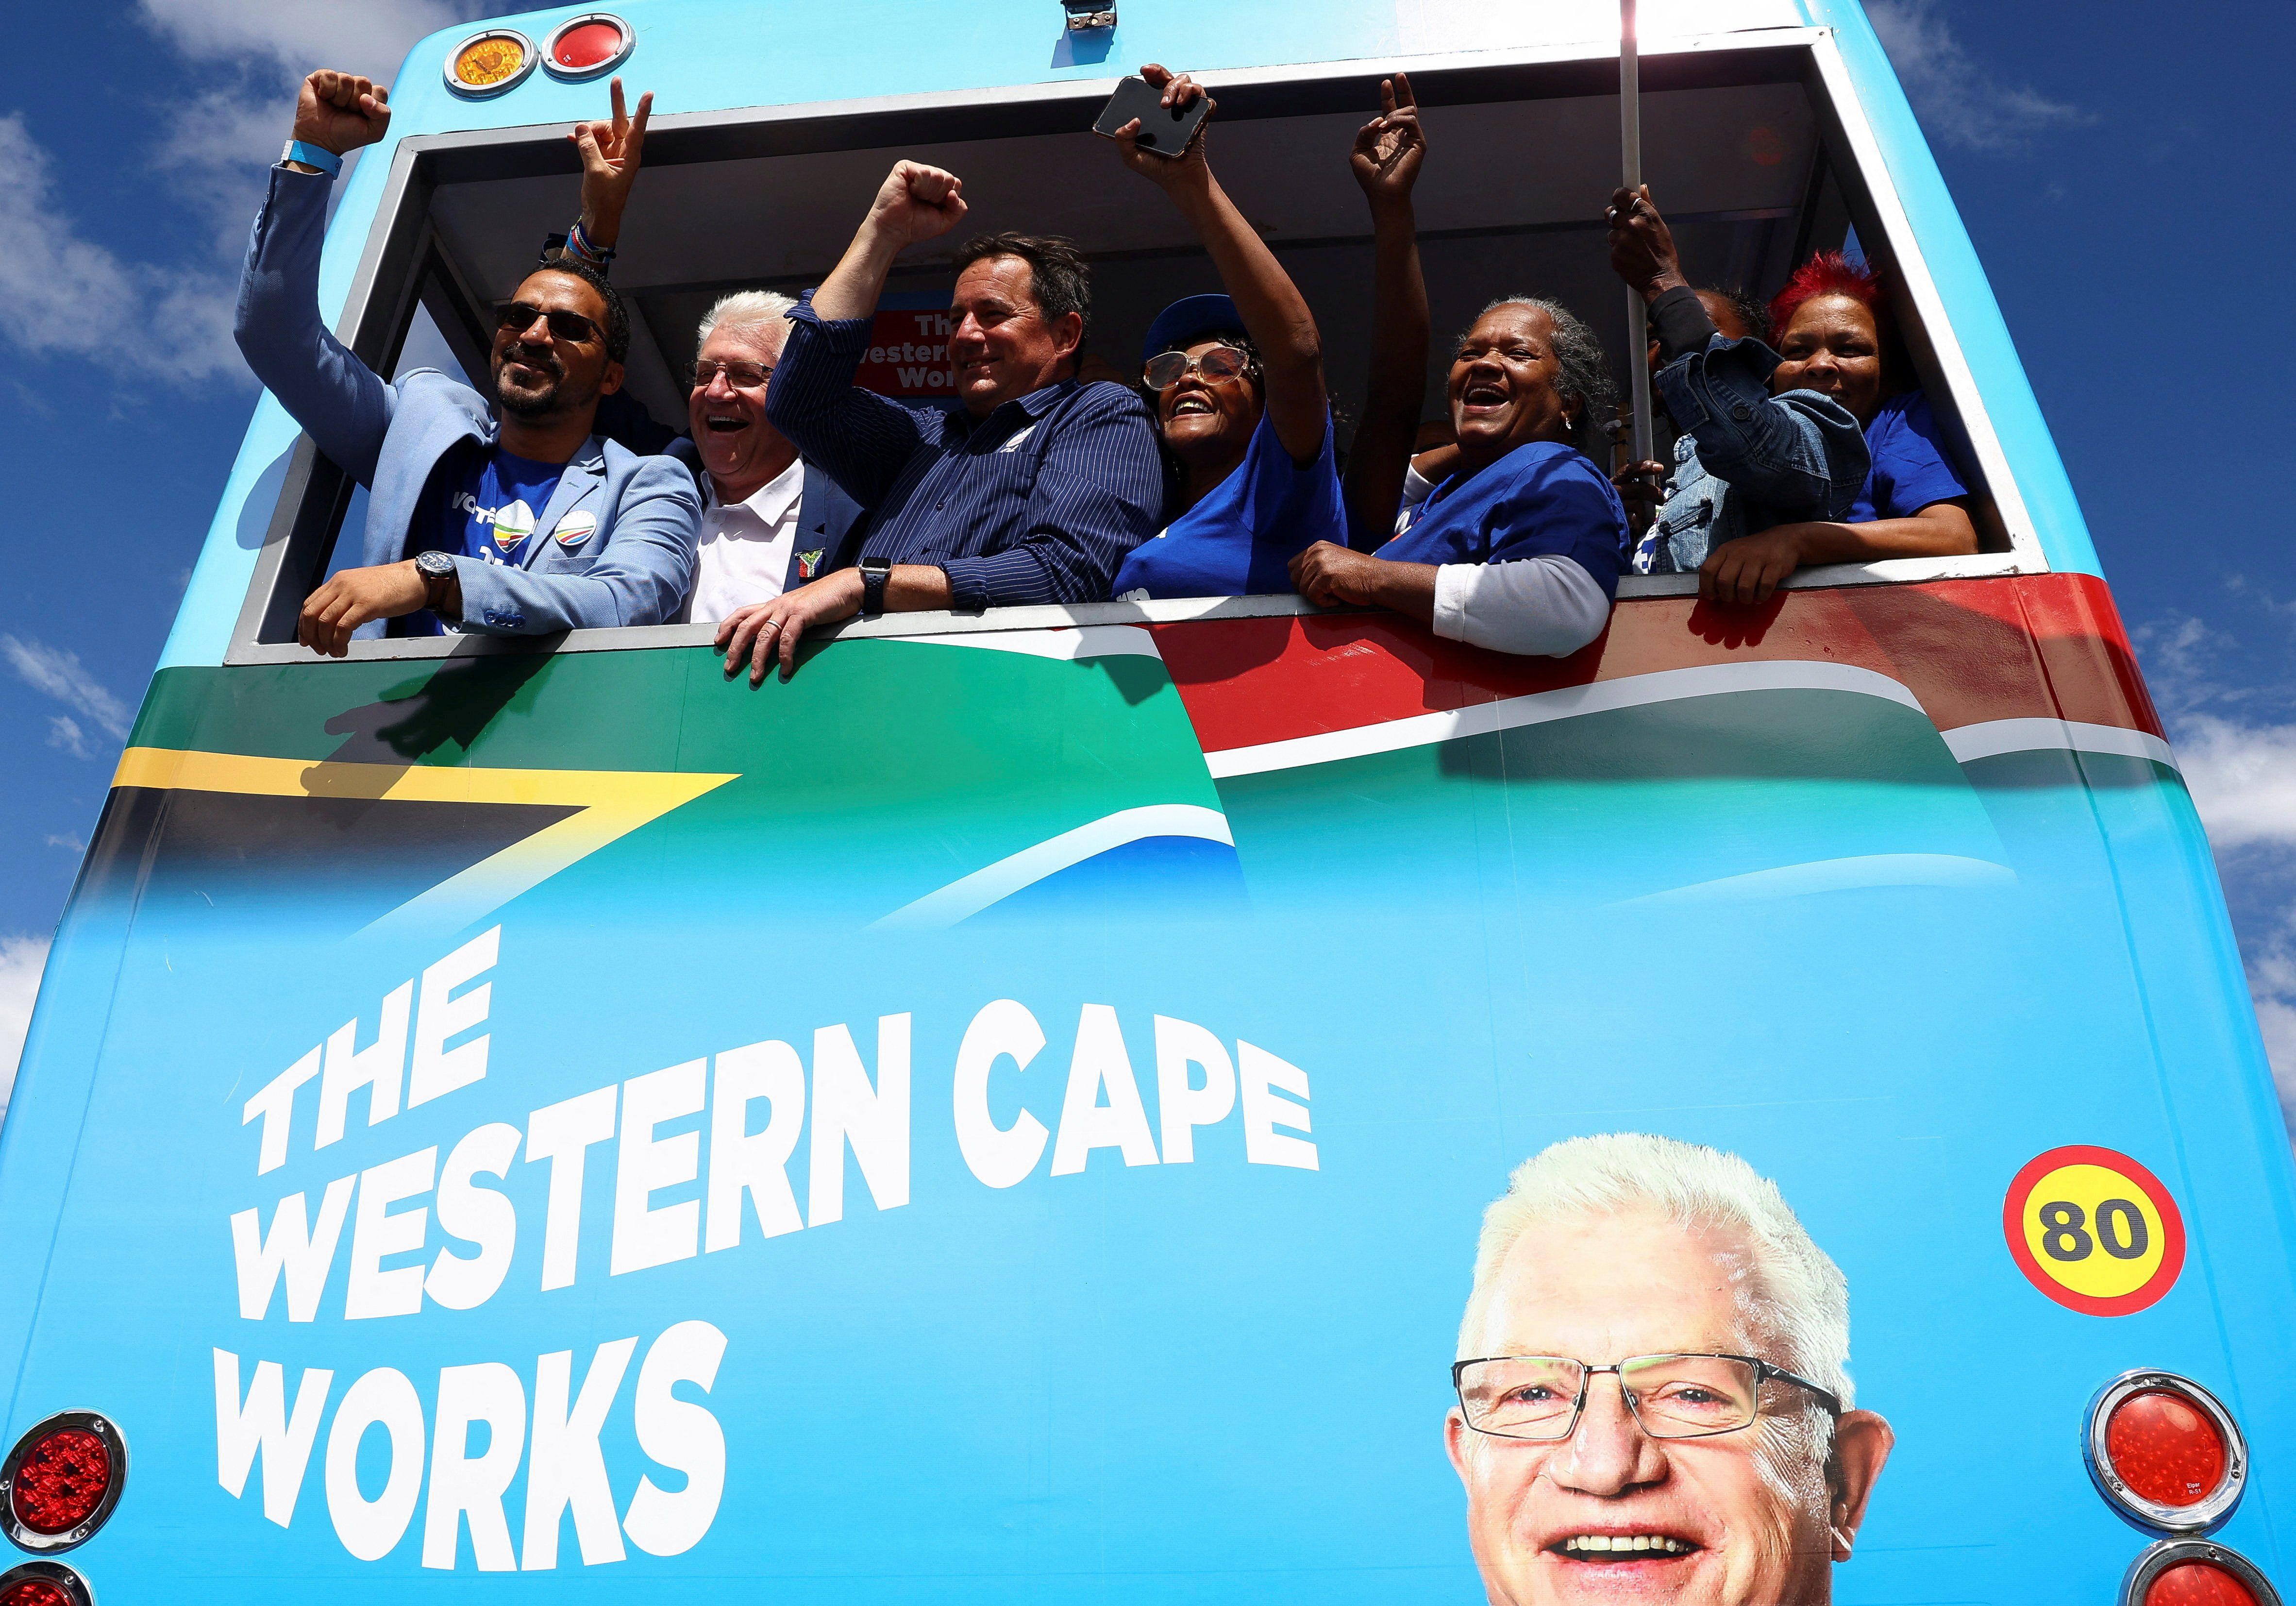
{"points": [[2085, 145]]}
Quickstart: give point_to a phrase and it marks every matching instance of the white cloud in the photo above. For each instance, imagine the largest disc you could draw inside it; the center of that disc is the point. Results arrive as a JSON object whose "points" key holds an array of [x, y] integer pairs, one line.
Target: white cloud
{"points": [[292, 36], [1959, 101], [2243, 779], [21, 961], [63, 677], [68, 841], [54, 282], [64, 732]]}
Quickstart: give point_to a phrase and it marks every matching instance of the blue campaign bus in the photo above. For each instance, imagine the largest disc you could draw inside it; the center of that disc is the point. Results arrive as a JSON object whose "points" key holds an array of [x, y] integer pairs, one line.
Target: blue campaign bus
{"points": [[1008, 1115]]}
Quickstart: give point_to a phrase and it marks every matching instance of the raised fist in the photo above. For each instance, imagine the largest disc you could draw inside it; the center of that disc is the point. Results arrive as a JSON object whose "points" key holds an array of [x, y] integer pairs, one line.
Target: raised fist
{"points": [[340, 112], [917, 202]]}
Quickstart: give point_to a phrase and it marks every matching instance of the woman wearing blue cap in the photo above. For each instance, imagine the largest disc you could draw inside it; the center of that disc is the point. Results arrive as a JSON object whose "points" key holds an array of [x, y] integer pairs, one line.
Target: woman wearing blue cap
{"points": [[1238, 385]]}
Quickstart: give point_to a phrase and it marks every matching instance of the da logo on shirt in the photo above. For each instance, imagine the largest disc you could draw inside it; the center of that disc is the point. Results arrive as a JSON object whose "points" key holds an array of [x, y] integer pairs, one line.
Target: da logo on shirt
{"points": [[808, 563], [577, 527], [513, 524]]}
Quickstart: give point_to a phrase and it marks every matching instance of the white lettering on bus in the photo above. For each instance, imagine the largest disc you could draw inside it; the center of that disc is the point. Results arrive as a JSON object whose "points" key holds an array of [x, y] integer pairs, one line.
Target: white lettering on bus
{"points": [[382, 1066], [263, 1427], [999, 1155], [565, 1464], [874, 1120], [295, 1247], [377, 1232], [673, 1197], [1087, 1124]]}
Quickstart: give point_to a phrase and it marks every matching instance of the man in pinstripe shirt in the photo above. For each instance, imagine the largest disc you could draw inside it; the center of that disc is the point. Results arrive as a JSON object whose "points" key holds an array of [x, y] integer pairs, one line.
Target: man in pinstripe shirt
{"points": [[1031, 492]]}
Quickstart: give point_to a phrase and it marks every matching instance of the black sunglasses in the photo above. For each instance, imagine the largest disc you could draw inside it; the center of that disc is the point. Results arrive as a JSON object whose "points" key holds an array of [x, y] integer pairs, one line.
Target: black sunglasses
{"points": [[563, 325]]}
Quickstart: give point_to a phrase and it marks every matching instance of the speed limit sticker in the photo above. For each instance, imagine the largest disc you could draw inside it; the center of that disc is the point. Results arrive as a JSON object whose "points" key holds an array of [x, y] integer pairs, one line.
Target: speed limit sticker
{"points": [[2093, 1231]]}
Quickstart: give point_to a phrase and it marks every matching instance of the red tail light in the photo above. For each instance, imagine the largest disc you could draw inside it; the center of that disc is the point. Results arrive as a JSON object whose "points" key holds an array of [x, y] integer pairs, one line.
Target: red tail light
{"points": [[60, 1483], [2193, 1572], [2167, 1453], [44, 1583]]}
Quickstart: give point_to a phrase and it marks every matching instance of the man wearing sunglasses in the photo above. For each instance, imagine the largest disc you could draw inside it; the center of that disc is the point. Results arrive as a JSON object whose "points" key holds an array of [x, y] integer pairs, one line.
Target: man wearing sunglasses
{"points": [[1652, 1386], [502, 514]]}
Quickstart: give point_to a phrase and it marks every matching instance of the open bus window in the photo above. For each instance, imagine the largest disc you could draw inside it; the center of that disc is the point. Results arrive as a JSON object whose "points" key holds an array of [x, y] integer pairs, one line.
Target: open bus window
{"points": [[1742, 148]]}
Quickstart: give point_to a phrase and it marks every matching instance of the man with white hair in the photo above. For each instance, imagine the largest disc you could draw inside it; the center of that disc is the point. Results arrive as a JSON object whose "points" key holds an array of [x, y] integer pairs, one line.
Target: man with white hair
{"points": [[770, 522], [1653, 1399]]}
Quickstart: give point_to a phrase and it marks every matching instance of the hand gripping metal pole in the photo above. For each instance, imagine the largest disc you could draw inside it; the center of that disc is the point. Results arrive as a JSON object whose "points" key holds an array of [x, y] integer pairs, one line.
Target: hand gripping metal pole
{"points": [[1630, 138]]}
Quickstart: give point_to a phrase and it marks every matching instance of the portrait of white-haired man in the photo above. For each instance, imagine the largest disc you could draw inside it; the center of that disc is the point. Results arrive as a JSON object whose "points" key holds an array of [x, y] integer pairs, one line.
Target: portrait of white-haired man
{"points": [[1653, 1399]]}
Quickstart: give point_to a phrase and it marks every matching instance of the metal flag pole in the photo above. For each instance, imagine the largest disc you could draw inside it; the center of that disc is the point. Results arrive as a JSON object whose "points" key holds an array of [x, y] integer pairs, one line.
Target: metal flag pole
{"points": [[1630, 139]]}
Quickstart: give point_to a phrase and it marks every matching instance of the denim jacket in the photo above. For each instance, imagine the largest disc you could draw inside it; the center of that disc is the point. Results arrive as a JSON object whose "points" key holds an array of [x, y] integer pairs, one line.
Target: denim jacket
{"points": [[1746, 459]]}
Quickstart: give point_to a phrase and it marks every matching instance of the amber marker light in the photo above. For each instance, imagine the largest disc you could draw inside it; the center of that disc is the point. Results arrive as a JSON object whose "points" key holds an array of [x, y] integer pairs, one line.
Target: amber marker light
{"points": [[61, 1480], [490, 63], [2194, 1572], [588, 46], [2165, 1452], [44, 1583]]}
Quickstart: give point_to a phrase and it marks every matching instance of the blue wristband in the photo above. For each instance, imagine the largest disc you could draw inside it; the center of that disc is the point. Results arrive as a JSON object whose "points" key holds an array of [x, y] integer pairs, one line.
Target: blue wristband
{"points": [[313, 156]]}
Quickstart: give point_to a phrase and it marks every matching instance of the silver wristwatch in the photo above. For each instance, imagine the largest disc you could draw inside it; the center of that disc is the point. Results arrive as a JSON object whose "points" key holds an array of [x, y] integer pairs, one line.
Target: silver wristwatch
{"points": [[436, 568]]}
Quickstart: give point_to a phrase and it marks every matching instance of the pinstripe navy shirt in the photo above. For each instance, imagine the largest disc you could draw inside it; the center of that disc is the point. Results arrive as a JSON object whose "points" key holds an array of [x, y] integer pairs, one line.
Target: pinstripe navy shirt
{"points": [[1036, 503]]}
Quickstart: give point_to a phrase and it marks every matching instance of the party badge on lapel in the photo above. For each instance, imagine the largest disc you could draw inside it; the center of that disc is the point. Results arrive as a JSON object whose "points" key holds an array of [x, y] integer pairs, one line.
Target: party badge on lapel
{"points": [[513, 524], [808, 563], [577, 527]]}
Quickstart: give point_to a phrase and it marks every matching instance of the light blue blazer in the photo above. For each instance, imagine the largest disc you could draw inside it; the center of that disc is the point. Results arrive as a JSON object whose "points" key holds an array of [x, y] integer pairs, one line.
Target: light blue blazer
{"points": [[636, 562]]}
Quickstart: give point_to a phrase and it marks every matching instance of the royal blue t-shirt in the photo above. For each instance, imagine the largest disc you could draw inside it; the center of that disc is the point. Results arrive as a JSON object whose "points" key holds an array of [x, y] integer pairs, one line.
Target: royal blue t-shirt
{"points": [[1910, 467], [1539, 500], [484, 507], [1241, 539]]}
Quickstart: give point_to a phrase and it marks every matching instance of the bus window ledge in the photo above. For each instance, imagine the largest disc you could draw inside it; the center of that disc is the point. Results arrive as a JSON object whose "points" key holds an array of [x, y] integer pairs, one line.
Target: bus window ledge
{"points": [[1170, 611]]}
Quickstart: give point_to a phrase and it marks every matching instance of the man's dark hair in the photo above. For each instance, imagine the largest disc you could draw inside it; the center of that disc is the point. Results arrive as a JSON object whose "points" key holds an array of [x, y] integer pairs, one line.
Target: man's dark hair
{"points": [[618, 317], [1059, 277]]}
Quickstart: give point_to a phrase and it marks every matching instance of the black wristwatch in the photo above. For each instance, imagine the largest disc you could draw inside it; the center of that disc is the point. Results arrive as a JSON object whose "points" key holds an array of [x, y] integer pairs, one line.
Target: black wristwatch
{"points": [[436, 568], [875, 572]]}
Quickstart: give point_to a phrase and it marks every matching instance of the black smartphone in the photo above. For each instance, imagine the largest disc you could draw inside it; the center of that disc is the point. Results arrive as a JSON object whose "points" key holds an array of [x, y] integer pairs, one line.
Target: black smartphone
{"points": [[1164, 130]]}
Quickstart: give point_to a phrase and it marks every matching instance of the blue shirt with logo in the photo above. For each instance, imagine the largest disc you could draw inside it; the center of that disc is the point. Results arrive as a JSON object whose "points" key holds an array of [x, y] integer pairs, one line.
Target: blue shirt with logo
{"points": [[1540, 499], [486, 506], [1910, 467], [1240, 541]]}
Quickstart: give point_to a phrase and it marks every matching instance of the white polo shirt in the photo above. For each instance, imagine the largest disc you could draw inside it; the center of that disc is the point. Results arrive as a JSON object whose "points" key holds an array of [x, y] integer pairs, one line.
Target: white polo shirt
{"points": [[745, 549]]}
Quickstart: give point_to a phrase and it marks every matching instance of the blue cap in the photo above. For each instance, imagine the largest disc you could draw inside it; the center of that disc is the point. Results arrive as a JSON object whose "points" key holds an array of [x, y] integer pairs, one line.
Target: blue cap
{"points": [[1188, 320]]}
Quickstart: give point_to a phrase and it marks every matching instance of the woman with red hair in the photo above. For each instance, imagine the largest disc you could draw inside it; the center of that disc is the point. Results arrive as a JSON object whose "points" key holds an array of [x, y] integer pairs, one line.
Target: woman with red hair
{"points": [[1835, 336], [1837, 361]]}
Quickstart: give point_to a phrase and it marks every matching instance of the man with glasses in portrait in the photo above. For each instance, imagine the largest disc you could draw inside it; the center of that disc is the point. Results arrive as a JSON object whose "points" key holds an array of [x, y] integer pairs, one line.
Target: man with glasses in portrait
{"points": [[770, 521], [501, 514], [1653, 1391]]}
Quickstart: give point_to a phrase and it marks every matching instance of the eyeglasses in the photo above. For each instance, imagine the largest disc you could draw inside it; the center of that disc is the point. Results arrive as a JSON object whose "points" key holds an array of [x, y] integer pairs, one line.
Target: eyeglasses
{"points": [[741, 375], [563, 325], [1671, 1396], [1168, 368]]}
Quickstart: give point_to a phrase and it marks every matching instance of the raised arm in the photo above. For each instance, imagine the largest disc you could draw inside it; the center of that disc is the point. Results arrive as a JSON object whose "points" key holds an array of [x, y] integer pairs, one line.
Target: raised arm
{"points": [[342, 403], [916, 203], [611, 154], [1273, 312], [1386, 160], [861, 440]]}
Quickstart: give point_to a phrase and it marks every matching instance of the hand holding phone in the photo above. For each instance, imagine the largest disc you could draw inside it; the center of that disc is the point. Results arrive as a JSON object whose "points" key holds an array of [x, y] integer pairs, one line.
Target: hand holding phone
{"points": [[1165, 130]]}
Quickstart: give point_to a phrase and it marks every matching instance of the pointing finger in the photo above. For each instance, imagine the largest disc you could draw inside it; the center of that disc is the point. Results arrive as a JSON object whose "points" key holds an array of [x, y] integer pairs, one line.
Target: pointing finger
{"points": [[635, 140], [1403, 95], [1387, 97], [621, 112]]}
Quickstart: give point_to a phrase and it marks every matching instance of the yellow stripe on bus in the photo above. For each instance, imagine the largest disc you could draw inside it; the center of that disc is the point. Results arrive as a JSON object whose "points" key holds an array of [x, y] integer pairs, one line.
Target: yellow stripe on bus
{"points": [[612, 804]]}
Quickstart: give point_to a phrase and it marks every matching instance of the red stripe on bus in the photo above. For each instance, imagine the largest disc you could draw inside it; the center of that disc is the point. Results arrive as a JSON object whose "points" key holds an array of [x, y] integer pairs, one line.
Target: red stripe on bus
{"points": [[1974, 650]]}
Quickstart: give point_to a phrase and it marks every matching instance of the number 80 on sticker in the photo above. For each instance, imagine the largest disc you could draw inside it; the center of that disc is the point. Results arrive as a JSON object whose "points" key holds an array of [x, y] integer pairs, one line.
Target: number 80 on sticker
{"points": [[2093, 1231]]}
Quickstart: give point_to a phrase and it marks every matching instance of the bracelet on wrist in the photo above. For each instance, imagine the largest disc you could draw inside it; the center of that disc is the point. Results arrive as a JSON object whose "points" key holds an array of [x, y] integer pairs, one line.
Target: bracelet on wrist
{"points": [[313, 156], [579, 244]]}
